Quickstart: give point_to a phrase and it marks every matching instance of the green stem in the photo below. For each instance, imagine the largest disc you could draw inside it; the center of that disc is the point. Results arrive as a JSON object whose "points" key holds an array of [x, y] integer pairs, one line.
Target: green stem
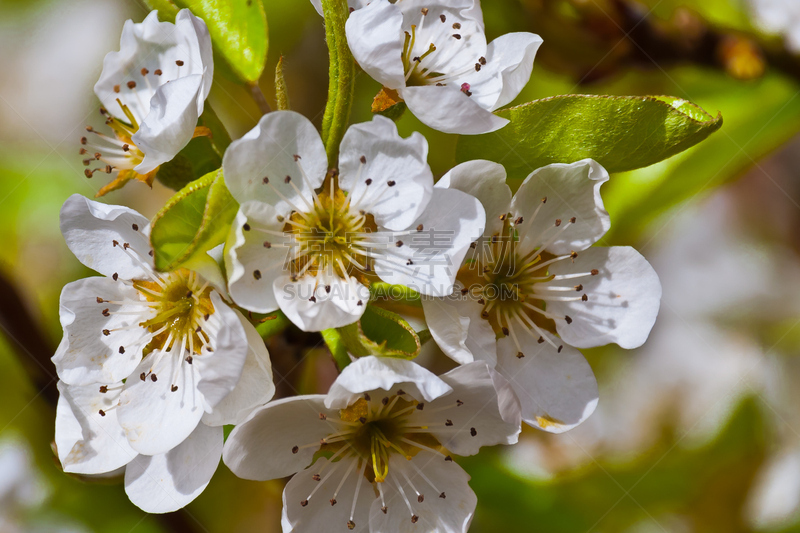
{"points": [[333, 339], [341, 77]]}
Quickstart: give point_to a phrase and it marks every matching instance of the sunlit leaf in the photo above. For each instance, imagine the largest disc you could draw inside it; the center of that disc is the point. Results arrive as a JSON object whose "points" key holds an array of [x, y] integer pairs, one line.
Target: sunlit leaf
{"points": [[620, 132], [382, 333], [192, 222]]}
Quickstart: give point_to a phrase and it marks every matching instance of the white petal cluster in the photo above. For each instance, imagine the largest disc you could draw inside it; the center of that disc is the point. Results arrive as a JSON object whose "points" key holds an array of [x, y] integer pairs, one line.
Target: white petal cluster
{"points": [[307, 241], [151, 365], [435, 55], [153, 91], [535, 281]]}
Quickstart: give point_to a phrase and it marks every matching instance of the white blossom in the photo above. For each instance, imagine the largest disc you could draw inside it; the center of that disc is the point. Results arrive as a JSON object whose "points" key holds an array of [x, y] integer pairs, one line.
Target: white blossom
{"points": [[375, 452], [153, 91], [151, 364], [309, 242], [435, 55], [535, 282]]}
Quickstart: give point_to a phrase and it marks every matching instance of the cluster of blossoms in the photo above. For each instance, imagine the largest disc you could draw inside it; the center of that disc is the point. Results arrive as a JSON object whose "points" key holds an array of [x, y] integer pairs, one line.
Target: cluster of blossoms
{"points": [[153, 364]]}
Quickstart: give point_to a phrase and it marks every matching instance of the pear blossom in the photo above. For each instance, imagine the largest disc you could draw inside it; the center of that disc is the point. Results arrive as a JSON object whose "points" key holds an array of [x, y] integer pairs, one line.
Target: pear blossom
{"points": [[309, 241], [151, 364], [375, 452], [535, 281], [435, 56], [153, 91]]}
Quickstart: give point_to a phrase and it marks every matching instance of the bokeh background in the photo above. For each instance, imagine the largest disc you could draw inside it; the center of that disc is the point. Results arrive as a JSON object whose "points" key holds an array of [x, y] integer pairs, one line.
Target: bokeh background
{"points": [[698, 431]]}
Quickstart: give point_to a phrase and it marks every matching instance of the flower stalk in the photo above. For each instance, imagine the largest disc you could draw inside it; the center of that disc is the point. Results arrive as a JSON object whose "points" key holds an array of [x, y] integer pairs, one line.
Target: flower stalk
{"points": [[341, 76]]}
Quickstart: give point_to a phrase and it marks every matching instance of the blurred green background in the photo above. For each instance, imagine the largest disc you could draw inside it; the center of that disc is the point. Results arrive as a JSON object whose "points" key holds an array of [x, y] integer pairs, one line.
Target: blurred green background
{"points": [[698, 431]]}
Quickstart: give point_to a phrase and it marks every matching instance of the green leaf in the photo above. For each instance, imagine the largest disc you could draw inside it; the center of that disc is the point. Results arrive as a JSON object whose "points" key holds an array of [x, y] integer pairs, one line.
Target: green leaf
{"points": [[193, 221], [238, 31], [382, 333], [619, 132], [202, 155]]}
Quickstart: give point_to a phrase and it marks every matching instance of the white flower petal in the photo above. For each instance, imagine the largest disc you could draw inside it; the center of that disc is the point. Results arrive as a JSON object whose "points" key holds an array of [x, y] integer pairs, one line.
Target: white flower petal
{"points": [[221, 369], [277, 428], [268, 151], [571, 191], [509, 63], [389, 159], [486, 181], [322, 302], [166, 482], [170, 124], [456, 325], [428, 260], [155, 418], [473, 417], [255, 257], [87, 442], [556, 391], [319, 515], [255, 387], [375, 37], [154, 46], [86, 355], [447, 505], [623, 303], [90, 229], [371, 373], [450, 110]]}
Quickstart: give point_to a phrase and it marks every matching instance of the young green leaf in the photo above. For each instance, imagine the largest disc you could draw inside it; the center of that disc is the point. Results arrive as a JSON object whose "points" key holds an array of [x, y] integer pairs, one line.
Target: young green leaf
{"points": [[192, 222], [238, 31], [335, 343], [382, 333], [619, 132]]}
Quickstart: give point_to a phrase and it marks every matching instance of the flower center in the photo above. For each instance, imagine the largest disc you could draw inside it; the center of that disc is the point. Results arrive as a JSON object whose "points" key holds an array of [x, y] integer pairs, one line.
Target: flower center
{"points": [[512, 285], [434, 54], [116, 153], [180, 305], [330, 237]]}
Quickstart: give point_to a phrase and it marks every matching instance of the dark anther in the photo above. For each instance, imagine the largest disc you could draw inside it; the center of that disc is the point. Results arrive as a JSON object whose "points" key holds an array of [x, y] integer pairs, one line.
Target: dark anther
{"points": [[143, 376], [578, 288], [106, 313], [457, 36], [316, 477], [573, 219], [414, 519], [323, 416], [157, 72], [505, 331], [115, 276], [420, 227], [540, 340], [333, 501], [116, 90], [131, 84], [173, 388], [295, 449], [103, 389], [558, 222], [520, 355], [304, 503], [327, 288], [421, 498], [391, 183], [409, 262], [595, 272], [362, 420], [153, 378], [257, 274], [368, 181], [363, 160], [265, 180], [135, 227], [385, 400], [106, 332], [456, 25], [584, 298], [459, 403], [560, 348], [287, 179], [102, 413], [399, 244], [473, 431], [189, 359], [482, 60], [448, 423], [350, 523], [246, 226], [384, 509], [297, 157], [121, 349], [179, 63], [568, 319], [313, 299], [420, 406], [443, 495], [367, 397], [442, 18], [144, 71], [267, 245]]}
